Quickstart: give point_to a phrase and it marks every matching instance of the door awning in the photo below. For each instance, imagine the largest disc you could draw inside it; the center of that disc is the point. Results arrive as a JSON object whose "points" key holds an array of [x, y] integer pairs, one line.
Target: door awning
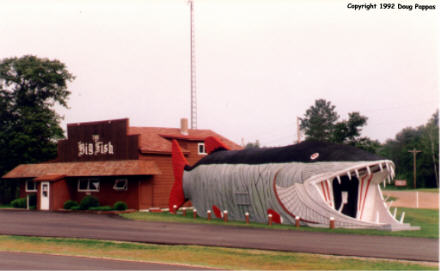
{"points": [[83, 169]]}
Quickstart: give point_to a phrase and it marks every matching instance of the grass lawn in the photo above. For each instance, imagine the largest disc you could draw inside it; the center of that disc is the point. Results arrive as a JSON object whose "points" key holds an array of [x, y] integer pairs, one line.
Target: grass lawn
{"points": [[224, 258], [427, 219]]}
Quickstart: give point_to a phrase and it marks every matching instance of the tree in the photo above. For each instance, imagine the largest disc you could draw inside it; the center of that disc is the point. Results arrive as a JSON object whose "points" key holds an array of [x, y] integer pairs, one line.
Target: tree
{"points": [[30, 87], [430, 141], [320, 123], [253, 145], [367, 144], [424, 138]]}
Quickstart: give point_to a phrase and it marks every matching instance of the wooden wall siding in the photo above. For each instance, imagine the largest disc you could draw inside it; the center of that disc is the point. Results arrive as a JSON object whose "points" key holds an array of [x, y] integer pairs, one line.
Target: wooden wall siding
{"points": [[59, 193], [38, 196], [107, 195], [113, 132], [161, 184], [145, 193], [23, 192]]}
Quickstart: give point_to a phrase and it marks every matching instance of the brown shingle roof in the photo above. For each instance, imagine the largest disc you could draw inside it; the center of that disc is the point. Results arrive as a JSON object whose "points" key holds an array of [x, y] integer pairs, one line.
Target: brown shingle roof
{"points": [[79, 169], [157, 139], [50, 178]]}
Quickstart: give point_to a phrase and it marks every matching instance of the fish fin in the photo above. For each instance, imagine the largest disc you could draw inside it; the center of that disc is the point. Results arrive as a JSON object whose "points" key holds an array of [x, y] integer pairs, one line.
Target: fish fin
{"points": [[177, 197], [276, 218], [217, 211], [212, 144]]}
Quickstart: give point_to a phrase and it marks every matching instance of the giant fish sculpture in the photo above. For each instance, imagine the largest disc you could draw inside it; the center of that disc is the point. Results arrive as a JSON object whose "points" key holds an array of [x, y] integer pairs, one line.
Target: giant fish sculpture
{"points": [[312, 180]]}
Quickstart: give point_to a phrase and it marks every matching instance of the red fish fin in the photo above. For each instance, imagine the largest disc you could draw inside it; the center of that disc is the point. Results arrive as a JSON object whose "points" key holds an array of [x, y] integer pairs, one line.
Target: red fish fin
{"points": [[276, 218], [217, 211], [177, 197], [212, 143]]}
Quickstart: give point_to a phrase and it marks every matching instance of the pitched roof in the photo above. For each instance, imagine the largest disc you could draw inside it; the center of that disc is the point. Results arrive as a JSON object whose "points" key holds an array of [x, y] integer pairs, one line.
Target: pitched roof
{"points": [[158, 139], [50, 178], [80, 169]]}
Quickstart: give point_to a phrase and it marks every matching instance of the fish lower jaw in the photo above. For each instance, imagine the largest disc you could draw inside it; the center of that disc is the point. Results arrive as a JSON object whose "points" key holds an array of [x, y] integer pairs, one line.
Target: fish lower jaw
{"points": [[354, 193]]}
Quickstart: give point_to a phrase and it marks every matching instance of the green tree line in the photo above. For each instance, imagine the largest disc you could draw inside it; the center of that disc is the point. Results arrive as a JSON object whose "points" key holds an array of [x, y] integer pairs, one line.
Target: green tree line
{"points": [[321, 122], [424, 138]]}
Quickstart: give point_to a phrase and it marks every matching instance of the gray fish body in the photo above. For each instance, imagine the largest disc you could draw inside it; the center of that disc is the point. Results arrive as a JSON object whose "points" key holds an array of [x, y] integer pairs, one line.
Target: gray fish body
{"points": [[311, 187]]}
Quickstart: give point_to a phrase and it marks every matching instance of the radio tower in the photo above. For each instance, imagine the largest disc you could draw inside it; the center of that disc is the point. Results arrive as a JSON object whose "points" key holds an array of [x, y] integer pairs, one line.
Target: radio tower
{"points": [[193, 71]]}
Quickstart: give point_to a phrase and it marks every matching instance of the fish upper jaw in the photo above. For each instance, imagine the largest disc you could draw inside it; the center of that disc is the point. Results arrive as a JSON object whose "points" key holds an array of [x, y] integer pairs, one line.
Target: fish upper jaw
{"points": [[382, 167]]}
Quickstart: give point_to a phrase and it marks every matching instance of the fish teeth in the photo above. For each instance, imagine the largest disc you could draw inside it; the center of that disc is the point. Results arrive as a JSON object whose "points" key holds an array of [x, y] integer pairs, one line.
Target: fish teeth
{"points": [[390, 203], [368, 170], [357, 173], [402, 217], [395, 212], [340, 207], [381, 167], [349, 175], [339, 179]]}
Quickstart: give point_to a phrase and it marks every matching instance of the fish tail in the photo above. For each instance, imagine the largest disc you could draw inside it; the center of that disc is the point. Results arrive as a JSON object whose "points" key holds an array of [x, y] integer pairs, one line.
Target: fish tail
{"points": [[177, 197]]}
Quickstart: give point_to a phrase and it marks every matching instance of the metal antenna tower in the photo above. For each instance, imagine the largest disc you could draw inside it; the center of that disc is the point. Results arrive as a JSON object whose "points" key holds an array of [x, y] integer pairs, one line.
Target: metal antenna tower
{"points": [[193, 71]]}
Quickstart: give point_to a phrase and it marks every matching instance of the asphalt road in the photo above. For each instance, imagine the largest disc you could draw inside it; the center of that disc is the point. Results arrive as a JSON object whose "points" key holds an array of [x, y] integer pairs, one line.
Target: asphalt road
{"points": [[35, 261], [105, 227]]}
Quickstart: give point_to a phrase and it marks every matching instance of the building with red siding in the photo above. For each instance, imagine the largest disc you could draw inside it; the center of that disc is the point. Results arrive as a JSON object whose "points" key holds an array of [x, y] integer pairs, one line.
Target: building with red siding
{"points": [[113, 162]]}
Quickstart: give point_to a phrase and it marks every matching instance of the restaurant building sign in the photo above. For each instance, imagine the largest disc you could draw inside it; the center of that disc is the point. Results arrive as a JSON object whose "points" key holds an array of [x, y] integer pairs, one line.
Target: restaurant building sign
{"points": [[97, 141], [97, 147]]}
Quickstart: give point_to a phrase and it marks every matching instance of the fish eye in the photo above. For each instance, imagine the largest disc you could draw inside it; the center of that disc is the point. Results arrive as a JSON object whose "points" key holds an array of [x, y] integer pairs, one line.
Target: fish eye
{"points": [[314, 156]]}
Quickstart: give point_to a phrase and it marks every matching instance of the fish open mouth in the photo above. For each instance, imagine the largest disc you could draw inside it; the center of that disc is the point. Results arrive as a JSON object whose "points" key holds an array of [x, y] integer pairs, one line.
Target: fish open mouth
{"points": [[355, 191]]}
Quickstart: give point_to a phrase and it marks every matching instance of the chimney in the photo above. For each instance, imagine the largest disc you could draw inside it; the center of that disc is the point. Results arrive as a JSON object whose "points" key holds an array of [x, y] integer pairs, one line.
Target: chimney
{"points": [[184, 126]]}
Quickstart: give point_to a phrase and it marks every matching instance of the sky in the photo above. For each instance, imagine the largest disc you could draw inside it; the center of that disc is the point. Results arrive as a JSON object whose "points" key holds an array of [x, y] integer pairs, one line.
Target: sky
{"points": [[259, 64]]}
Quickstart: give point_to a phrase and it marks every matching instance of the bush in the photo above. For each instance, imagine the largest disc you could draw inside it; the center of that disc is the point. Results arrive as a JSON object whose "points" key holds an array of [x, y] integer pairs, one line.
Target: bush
{"points": [[69, 204], [75, 208], [120, 206], [19, 203], [87, 202], [101, 208]]}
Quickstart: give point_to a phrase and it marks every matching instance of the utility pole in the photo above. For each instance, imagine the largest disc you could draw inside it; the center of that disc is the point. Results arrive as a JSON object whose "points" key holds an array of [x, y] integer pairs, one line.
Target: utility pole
{"points": [[414, 152], [193, 70], [298, 130]]}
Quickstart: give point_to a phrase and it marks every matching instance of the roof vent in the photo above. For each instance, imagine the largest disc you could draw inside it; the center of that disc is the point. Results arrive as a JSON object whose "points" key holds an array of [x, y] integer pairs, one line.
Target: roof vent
{"points": [[184, 126]]}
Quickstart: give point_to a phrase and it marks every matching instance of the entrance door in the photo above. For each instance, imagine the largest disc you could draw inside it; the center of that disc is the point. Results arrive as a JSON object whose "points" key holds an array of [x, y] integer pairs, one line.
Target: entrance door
{"points": [[44, 196], [346, 193]]}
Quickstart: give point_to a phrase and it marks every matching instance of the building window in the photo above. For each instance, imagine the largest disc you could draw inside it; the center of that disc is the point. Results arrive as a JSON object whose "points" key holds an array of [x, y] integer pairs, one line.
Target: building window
{"points": [[201, 148], [88, 185], [121, 185], [31, 186]]}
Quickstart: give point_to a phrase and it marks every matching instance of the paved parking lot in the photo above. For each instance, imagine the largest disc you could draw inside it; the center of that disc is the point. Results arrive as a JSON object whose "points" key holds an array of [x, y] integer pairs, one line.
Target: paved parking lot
{"points": [[105, 227]]}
